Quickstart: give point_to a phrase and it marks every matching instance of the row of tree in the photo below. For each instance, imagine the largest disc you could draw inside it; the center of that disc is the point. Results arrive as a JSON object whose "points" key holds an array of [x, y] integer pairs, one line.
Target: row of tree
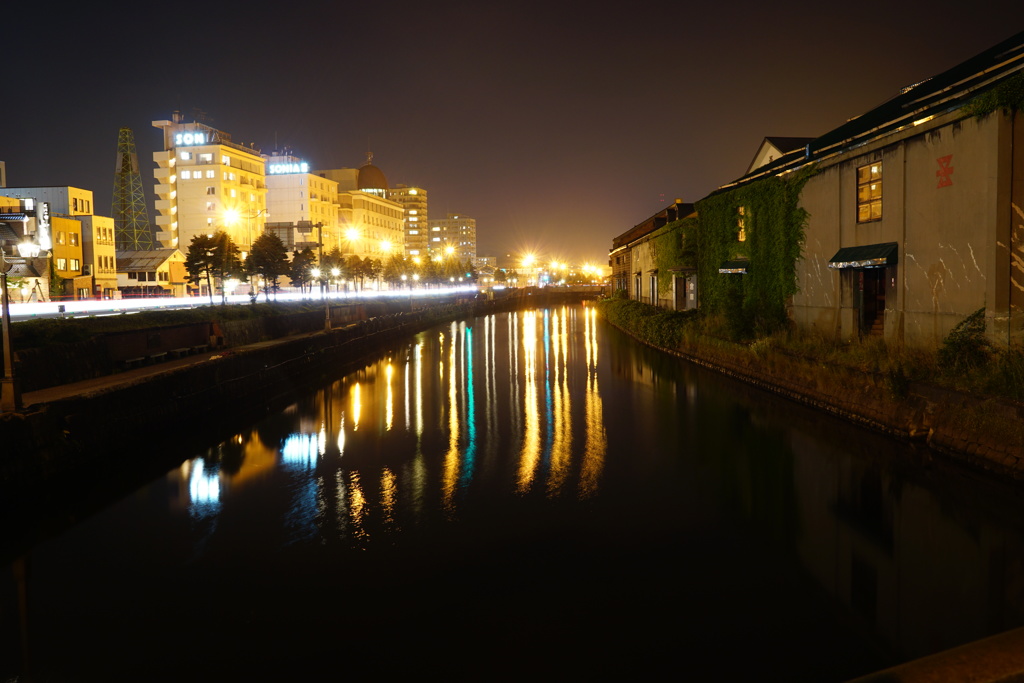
{"points": [[216, 259]]}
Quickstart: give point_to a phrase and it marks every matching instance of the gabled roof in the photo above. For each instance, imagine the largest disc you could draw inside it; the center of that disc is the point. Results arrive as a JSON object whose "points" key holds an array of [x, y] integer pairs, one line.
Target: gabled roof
{"points": [[143, 261], [919, 102], [774, 147]]}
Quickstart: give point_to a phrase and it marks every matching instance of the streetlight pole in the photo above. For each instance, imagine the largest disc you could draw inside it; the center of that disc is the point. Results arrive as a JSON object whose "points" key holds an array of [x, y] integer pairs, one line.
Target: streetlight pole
{"points": [[10, 396]]}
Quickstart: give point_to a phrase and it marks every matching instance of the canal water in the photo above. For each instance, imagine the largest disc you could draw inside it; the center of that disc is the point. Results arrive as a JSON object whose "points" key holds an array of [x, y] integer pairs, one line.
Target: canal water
{"points": [[524, 494]]}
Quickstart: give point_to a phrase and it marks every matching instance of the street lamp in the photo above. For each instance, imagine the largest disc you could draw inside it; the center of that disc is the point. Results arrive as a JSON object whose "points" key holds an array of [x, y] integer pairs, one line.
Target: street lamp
{"points": [[10, 396], [232, 216], [10, 388]]}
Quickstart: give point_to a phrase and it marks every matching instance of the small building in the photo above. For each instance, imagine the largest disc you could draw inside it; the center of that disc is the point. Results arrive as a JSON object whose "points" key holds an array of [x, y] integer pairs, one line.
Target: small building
{"points": [[160, 272]]}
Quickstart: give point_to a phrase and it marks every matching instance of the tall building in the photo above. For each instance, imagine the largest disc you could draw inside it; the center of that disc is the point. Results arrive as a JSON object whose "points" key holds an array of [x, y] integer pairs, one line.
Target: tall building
{"points": [[414, 204], [454, 236], [205, 183], [371, 225], [302, 207]]}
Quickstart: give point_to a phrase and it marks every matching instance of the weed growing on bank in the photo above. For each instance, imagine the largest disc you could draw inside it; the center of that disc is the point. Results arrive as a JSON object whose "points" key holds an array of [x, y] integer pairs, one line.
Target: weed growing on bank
{"points": [[965, 361]]}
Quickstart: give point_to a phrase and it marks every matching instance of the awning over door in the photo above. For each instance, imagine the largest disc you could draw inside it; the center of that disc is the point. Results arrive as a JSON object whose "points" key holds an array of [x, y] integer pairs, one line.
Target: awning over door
{"points": [[869, 256], [734, 267]]}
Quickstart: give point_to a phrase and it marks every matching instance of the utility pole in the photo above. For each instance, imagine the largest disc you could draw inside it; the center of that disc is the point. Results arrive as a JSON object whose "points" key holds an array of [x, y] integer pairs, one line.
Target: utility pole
{"points": [[131, 219], [10, 396]]}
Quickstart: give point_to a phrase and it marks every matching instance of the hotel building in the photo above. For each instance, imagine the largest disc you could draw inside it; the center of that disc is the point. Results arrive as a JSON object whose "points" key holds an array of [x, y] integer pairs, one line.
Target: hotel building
{"points": [[301, 205], [205, 183]]}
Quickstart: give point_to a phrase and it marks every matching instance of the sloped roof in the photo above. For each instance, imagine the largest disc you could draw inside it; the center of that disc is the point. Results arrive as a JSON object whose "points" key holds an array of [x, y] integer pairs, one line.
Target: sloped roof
{"points": [[938, 95], [781, 145], [679, 209], [143, 261]]}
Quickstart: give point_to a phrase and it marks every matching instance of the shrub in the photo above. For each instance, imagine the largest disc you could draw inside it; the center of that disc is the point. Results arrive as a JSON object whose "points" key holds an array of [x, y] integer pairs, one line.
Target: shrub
{"points": [[966, 348]]}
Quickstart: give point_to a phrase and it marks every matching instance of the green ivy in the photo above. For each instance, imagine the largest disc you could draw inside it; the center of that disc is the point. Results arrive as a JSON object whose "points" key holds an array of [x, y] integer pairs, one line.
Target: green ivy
{"points": [[650, 324], [753, 304], [1007, 96], [674, 246]]}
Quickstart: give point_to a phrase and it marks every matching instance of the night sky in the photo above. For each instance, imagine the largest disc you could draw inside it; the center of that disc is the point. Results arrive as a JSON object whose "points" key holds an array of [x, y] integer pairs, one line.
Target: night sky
{"points": [[554, 127]]}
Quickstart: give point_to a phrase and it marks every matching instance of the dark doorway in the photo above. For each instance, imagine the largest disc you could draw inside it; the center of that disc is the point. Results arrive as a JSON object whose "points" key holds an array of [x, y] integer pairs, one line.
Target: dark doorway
{"points": [[872, 300]]}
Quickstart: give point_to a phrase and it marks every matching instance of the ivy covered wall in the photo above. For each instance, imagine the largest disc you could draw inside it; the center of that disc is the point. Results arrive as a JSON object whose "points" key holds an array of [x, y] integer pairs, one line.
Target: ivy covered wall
{"points": [[773, 233]]}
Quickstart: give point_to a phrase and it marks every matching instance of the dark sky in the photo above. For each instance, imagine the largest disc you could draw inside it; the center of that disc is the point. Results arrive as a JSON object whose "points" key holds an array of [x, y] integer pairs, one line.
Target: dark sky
{"points": [[556, 125]]}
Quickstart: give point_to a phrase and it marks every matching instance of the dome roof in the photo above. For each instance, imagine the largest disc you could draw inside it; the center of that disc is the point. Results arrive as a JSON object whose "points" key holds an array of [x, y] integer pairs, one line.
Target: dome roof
{"points": [[371, 177]]}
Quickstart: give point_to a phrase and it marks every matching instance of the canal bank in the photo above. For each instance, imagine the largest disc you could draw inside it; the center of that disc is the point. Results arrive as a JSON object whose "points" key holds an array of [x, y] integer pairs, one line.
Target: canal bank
{"points": [[71, 428], [986, 434]]}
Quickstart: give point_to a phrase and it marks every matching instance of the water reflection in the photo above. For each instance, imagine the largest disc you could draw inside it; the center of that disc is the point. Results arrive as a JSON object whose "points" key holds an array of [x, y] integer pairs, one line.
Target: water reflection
{"points": [[516, 410], [575, 462]]}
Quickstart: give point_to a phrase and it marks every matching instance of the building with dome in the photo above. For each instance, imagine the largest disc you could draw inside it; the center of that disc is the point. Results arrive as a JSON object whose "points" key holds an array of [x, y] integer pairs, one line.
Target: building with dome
{"points": [[370, 224]]}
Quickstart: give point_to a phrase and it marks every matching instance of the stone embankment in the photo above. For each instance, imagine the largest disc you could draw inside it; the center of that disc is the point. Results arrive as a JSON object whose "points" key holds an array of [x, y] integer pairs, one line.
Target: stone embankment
{"points": [[983, 433]]}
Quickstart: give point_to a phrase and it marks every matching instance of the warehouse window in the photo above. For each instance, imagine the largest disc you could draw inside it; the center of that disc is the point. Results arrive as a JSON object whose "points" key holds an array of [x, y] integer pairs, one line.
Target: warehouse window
{"points": [[869, 192]]}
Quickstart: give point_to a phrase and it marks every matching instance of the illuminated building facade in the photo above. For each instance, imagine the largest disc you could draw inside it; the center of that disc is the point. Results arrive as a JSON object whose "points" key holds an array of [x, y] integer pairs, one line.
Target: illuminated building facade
{"points": [[414, 204], [83, 243], [24, 221], [371, 225], [99, 254], [298, 200], [205, 183], [156, 272], [453, 236]]}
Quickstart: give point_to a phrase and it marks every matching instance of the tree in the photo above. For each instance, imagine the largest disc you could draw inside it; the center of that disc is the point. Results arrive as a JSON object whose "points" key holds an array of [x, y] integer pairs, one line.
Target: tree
{"points": [[356, 269], [394, 268], [469, 271], [373, 268], [198, 262], [214, 257], [268, 260], [333, 266], [298, 272]]}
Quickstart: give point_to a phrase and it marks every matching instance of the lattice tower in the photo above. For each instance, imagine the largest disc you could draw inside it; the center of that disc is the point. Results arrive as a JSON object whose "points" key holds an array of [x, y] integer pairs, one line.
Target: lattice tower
{"points": [[131, 219]]}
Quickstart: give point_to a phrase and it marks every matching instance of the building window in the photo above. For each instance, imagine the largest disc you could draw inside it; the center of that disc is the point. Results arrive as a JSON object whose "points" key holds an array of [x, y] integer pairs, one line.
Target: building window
{"points": [[225, 160], [62, 264], [60, 237], [75, 264], [869, 192], [211, 206], [210, 174], [186, 175], [73, 238], [211, 189], [741, 223], [206, 158], [185, 156]]}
